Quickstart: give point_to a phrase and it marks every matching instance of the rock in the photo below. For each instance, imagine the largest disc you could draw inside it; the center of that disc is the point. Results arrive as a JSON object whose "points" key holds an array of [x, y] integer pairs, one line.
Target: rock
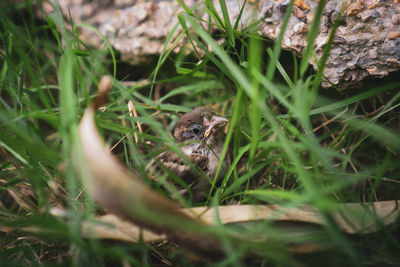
{"points": [[303, 5], [396, 19], [365, 15], [139, 28], [354, 8], [300, 27], [394, 35], [299, 13], [366, 44]]}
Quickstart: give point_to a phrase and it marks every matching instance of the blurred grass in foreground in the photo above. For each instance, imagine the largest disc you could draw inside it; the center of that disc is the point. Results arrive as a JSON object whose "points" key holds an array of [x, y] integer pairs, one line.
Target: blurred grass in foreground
{"points": [[300, 144]]}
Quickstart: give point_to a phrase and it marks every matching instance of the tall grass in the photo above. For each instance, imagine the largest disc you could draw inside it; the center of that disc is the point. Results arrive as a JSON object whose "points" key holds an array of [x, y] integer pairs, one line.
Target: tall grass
{"points": [[292, 142]]}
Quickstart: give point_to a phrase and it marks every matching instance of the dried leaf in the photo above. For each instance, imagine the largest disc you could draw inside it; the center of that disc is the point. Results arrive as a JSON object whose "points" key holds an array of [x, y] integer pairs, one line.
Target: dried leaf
{"points": [[351, 218], [125, 194], [112, 227], [128, 197]]}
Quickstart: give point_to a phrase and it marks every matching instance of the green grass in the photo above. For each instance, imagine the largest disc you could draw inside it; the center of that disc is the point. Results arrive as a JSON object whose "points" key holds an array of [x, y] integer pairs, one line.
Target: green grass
{"points": [[293, 143]]}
